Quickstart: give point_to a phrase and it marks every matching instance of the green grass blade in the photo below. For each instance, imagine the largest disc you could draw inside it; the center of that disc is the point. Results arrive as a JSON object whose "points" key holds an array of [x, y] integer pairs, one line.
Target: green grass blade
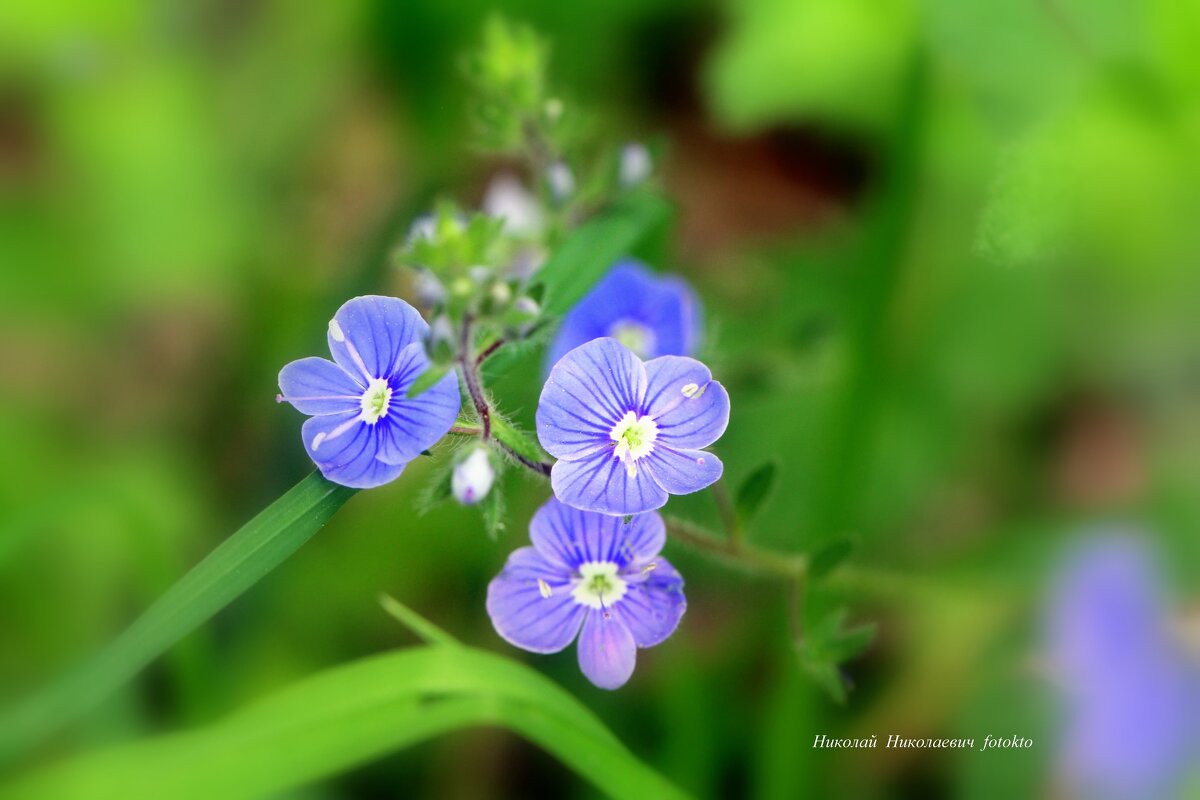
{"points": [[258, 547], [347, 716]]}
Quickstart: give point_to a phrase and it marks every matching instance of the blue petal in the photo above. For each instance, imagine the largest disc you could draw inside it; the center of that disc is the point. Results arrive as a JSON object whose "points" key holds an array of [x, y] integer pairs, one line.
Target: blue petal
{"points": [[683, 471], [589, 390], [377, 329], [688, 420], [652, 609], [607, 652], [318, 386], [347, 458], [567, 537], [631, 293], [412, 425], [520, 612], [600, 483]]}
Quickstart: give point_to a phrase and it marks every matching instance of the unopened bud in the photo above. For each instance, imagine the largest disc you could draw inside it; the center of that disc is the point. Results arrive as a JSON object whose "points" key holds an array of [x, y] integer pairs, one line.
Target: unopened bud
{"points": [[428, 290], [473, 477], [561, 180], [636, 164]]}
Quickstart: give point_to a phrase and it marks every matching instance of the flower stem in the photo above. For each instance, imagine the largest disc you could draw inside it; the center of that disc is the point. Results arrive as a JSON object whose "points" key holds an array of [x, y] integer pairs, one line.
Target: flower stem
{"points": [[737, 553], [470, 375], [729, 518]]}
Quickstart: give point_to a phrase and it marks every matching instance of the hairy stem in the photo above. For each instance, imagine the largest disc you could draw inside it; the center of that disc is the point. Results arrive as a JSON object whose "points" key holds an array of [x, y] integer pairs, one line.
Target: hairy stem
{"points": [[470, 376]]}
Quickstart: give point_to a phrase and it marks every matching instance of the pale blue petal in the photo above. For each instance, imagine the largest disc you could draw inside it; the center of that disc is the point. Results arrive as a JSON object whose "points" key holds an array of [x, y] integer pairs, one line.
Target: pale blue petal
{"points": [[607, 652], [319, 386], [686, 419], [520, 611], [377, 328], [347, 458], [652, 609], [568, 537], [683, 471], [412, 425], [600, 483], [589, 390]]}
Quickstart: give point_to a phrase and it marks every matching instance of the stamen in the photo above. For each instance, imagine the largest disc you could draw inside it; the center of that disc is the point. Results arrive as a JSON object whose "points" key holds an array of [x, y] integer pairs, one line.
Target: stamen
{"points": [[335, 331], [653, 565], [544, 589], [358, 361], [690, 389]]}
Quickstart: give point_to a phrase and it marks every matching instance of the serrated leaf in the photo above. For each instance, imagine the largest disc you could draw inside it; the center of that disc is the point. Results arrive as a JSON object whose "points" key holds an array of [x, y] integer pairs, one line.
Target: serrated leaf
{"points": [[754, 490], [427, 379]]}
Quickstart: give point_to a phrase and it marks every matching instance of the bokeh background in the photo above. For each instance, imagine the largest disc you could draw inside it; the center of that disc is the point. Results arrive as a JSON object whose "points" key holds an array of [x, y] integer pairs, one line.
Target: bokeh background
{"points": [[948, 258]]}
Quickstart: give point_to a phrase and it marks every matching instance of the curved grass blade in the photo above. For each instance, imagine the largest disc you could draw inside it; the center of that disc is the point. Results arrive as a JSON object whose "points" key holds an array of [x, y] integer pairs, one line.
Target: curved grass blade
{"points": [[347, 716], [258, 547]]}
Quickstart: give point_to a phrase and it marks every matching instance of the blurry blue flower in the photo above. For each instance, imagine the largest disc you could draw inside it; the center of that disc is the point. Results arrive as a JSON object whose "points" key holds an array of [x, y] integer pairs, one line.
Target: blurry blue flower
{"points": [[628, 434], [363, 429], [1130, 698], [507, 198], [591, 575], [652, 315]]}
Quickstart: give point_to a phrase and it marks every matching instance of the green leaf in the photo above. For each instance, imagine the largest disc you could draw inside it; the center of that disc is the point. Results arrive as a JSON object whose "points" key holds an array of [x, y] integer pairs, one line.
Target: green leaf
{"points": [[350, 715], [258, 547], [515, 438], [830, 557], [826, 644], [423, 628], [588, 253], [427, 379], [754, 490]]}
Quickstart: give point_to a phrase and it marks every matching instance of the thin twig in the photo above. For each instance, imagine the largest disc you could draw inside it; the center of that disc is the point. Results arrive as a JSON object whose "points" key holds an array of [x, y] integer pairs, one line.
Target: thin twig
{"points": [[465, 430], [471, 379], [487, 351]]}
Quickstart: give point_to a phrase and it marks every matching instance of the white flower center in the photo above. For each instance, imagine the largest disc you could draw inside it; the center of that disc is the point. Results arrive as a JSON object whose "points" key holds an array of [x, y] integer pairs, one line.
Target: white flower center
{"points": [[598, 584], [634, 437], [375, 401], [634, 335]]}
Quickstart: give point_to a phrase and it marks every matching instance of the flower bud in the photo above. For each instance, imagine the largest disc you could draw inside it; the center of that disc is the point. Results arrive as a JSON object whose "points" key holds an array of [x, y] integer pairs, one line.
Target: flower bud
{"points": [[636, 164], [441, 340], [473, 477], [561, 180], [428, 290]]}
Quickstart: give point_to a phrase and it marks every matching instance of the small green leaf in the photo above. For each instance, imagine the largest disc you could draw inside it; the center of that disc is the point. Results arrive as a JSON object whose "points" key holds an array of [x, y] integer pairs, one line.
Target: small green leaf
{"points": [[515, 438], [827, 644], [493, 507], [830, 557], [427, 379], [754, 490]]}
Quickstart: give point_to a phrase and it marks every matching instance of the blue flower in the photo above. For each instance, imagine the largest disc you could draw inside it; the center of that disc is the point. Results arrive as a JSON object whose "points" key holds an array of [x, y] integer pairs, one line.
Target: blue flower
{"points": [[628, 434], [652, 315], [1130, 697], [593, 576], [363, 430]]}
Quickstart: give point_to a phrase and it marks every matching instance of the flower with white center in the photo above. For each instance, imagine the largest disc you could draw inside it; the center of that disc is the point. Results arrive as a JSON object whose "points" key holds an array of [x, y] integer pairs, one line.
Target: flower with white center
{"points": [[653, 315], [627, 434], [363, 428], [589, 576], [473, 477]]}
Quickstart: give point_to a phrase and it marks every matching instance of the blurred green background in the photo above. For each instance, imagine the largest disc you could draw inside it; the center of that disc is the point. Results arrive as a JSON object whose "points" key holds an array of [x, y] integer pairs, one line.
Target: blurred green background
{"points": [[948, 257]]}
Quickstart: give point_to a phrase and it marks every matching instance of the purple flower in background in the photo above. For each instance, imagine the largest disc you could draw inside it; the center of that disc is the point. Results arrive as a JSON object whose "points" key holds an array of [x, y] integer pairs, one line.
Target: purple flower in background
{"points": [[593, 576], [628, 434], [652, 315], [1130, 698], [363, 430]]}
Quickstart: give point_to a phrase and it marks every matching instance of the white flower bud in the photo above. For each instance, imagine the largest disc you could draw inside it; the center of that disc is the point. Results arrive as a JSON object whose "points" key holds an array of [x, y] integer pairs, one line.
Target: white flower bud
{"points": [[636, 164], [472, 478], [561, 180], [506, 198], [428, 290]]}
